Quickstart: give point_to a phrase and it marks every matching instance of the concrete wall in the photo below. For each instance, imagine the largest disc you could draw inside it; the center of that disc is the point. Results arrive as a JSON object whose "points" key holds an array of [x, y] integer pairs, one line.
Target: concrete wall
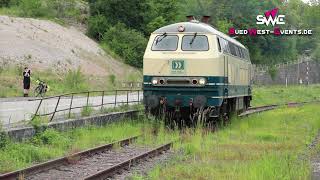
{"points": [[308, 71], [20, 134]]}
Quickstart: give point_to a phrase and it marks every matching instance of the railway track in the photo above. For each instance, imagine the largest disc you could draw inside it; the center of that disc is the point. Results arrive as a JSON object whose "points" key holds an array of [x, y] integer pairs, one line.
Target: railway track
{"points": [[105, 161], [254, 110], [97, 163]]}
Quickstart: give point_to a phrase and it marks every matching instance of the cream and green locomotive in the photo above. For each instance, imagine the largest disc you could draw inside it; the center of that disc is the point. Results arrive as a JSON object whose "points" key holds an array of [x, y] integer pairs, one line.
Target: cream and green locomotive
{"points": [[189, 66]]}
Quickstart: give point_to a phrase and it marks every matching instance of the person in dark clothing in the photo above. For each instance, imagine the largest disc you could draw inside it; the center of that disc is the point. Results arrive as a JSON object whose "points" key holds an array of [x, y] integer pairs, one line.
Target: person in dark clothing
{"points": [[26, 81]]}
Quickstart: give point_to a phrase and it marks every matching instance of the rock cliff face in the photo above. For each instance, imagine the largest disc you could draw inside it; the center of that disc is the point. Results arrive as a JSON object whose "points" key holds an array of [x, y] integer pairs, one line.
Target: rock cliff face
{"points": [[43, 44]]}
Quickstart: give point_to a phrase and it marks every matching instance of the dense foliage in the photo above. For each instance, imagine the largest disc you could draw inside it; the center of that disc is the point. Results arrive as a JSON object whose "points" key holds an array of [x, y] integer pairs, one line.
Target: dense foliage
{"points": [[147, 15], [124, 26], [128, 43], [136, 19]]}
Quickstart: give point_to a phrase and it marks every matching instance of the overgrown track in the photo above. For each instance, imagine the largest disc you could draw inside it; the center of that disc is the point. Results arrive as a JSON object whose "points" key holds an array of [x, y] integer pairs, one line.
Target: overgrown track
{"points": [[258, 109], [109, 172], [98, 163], [25, 173], [254, 110]]}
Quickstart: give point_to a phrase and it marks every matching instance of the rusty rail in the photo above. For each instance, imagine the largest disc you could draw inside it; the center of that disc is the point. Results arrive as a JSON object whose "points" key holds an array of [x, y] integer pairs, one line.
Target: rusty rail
{"points": [[107, 173], [254, 110], [64, 160]]}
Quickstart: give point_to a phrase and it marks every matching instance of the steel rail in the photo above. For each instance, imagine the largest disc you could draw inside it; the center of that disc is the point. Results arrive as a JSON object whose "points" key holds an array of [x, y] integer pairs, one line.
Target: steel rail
{"points": [[254, 110], [64, 160], [128, 163]]}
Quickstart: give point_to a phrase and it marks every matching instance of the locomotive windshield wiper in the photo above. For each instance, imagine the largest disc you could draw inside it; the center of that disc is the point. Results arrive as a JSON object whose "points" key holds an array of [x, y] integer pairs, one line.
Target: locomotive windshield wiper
{"points": [[194, 37], [164, 35]]}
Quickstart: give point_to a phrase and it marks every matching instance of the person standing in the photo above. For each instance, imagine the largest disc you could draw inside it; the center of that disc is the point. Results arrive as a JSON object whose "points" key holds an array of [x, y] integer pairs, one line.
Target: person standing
{"points": [[26, 81]]}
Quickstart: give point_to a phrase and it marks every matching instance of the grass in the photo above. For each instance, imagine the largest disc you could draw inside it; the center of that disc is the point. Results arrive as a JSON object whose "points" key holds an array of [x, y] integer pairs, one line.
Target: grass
{"points": [[270, 145], [51, 144], [123, 108], [86, 111], [266, 95], [258, 147]]}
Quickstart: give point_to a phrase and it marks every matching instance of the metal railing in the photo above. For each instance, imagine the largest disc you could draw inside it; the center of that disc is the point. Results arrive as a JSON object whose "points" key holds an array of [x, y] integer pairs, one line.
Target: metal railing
{"points": [[72, 96], [265, 68]]}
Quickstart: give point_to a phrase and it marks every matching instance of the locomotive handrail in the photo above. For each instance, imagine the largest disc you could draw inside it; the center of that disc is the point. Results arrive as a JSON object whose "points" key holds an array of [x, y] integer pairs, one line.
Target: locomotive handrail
{"points": [[72, 95]]}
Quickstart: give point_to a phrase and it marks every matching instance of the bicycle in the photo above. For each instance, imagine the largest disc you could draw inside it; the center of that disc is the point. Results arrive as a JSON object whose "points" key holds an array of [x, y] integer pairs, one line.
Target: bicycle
{"points": [[41, 89]]}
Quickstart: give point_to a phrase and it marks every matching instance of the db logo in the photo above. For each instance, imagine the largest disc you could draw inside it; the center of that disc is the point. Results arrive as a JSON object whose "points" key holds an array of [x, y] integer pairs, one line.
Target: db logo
{"points": [[271, 17]]}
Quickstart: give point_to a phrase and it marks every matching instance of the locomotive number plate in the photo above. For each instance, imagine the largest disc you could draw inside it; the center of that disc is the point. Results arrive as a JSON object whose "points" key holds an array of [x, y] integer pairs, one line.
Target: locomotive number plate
{"points": [[177, 66]]}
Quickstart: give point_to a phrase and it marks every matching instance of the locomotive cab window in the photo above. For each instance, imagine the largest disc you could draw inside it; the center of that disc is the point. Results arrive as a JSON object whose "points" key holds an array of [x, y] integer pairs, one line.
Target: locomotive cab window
{"points": [[165, 43], [219, 46], [195, 43], [224, 45]]}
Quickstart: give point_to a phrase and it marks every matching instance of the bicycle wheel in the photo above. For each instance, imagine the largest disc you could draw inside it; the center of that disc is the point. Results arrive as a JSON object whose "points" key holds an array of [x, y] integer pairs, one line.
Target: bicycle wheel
{"points": [[42, 92], [37, 91]]}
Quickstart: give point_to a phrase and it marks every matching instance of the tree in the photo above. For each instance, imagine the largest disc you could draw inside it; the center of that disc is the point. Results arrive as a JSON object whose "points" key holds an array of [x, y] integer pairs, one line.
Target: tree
{"points": [[97, 26], [128, 43], [131, 13], [155, 24], [4, 3]]}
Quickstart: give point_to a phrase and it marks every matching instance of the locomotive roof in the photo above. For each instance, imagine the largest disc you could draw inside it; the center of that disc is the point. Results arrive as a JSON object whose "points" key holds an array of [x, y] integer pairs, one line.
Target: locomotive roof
{"points": [[195, 26]]}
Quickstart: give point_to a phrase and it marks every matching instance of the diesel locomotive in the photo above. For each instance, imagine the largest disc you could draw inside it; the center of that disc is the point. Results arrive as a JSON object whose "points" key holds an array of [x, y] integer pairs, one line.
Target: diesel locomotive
{"points": [[190, 69]]}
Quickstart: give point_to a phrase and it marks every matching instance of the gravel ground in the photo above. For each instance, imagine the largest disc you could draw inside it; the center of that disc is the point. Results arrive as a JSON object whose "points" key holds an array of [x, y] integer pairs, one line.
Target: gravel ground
{"points": [[315, 162], [146, 166], [78, 169], [316, 167]]}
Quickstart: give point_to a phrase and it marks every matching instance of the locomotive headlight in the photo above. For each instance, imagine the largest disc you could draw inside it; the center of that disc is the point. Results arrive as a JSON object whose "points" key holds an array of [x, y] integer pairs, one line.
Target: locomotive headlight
{"points": [[202, 81], [154, 81]]}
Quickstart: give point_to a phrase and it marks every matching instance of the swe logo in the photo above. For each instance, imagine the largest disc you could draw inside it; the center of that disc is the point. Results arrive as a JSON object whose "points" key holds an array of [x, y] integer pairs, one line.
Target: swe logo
{"points": [[271, 17]]}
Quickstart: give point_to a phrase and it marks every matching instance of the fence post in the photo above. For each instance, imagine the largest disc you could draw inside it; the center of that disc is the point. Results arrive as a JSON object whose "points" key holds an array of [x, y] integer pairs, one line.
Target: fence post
{"points": [[102, 100], [37, 109], [55, 109], [127, 97], [70, 105], [138, 96], [115, 99], [88, 94]]}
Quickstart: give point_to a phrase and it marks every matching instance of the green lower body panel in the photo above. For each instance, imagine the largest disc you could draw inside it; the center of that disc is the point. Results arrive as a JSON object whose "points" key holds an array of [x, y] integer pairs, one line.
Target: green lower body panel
{"points": [[179, 96], [212, 94]]}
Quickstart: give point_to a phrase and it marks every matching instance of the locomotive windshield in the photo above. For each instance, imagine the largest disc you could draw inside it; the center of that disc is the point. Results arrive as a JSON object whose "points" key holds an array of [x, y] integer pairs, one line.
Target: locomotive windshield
{"points": [[165, 43], [195, 43]]}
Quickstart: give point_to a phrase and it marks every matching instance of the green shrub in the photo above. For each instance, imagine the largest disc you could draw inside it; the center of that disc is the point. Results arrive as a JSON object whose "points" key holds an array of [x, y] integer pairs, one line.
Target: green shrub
{"points": [[129, 44], [42, 8], [131, 13], [3, 140], [63, 9], [155, 24], [32, 8], [75, 80], [112, 79], [97, 26], [50, 137], [39, 124], [4, 3], [273, 72], [86, 111]]}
